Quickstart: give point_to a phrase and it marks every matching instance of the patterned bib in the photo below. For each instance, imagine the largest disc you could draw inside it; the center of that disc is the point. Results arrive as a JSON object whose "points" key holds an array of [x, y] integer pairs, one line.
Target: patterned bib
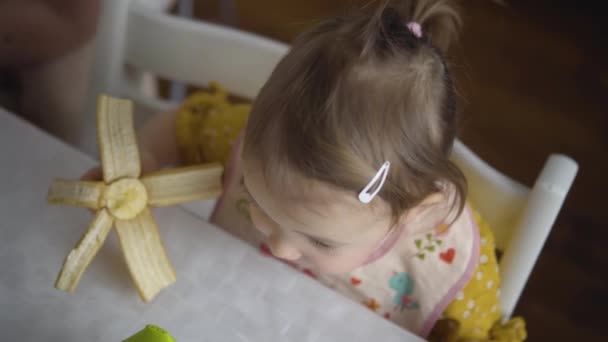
{"points": [[410, 284]]}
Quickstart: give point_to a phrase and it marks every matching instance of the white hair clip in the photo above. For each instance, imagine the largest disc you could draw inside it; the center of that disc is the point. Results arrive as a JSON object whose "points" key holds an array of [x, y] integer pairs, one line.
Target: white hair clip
{"points": [[366, 195]]}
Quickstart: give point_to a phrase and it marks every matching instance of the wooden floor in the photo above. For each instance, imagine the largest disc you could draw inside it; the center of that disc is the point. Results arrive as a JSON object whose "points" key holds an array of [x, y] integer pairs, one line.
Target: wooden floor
{"points": [[533, 78]]}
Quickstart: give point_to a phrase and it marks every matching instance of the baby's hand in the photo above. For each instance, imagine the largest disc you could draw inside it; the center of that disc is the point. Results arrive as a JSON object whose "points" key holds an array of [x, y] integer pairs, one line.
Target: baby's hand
{"points": [[93, 174]]}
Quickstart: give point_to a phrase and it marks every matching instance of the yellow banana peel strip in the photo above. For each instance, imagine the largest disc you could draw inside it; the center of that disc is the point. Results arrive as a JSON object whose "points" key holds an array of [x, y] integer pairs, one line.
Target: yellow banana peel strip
{"points": [[170, 187], [76, 193], [123, 200], [81, 256], [116, 138], [145, 255]]}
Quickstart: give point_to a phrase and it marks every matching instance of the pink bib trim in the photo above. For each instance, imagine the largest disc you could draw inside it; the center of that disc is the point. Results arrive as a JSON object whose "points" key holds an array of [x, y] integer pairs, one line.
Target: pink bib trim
{"points": [[385, 245], [459, 285]]}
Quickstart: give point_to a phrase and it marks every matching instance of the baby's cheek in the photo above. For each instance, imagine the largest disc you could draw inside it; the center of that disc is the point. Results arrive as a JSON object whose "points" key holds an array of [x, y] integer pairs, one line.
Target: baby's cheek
{"points": [[341, 261], [335, 265]]}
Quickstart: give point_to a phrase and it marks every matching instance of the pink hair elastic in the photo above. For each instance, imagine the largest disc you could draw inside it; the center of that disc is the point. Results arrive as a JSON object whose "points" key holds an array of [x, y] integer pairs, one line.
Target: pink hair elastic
{"points": [[415, 28]]}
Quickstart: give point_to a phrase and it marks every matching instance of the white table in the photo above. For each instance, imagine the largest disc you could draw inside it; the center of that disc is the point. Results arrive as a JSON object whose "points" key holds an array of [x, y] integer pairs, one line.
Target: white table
{"points": [[225, 290]]}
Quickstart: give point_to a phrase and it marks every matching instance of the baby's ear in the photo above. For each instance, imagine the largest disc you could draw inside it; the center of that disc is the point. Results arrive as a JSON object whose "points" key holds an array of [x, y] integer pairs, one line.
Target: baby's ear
{"points": [[429, 200]]}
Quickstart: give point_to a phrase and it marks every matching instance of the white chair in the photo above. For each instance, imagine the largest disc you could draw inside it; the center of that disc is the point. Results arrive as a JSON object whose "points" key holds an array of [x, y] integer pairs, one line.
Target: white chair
{"points": [[178, 49], [520, 218], [198, 52]]}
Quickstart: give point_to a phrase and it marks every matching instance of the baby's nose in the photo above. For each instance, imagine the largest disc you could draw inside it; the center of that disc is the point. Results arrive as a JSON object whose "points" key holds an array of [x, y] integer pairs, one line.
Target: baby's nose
{"points": [[281, 249]]}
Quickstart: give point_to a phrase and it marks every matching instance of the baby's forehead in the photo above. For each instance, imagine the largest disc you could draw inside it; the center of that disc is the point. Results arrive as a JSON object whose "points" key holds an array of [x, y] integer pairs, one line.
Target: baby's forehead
{"points": [[318, 196], [311, 202], [318, 203]]}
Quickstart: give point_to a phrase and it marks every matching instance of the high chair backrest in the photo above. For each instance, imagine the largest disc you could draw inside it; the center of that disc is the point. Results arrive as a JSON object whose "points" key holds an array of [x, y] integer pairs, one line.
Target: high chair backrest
{"points": [[131, 39], [520, 218], [196, 52]]}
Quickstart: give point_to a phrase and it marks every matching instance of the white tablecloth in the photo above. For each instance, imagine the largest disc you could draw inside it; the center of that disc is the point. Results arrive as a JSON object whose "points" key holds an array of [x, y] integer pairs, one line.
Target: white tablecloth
{"points": [[225, 291]]}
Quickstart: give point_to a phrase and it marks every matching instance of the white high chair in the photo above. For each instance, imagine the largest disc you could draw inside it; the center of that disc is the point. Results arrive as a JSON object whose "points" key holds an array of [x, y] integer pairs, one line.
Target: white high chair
{"points": [[520, 217], [192, 52], [195, 52]]}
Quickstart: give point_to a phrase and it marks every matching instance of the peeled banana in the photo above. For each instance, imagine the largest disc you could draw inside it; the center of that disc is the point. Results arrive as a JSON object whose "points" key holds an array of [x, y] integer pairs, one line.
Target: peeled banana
{"points": [[123, 199]]}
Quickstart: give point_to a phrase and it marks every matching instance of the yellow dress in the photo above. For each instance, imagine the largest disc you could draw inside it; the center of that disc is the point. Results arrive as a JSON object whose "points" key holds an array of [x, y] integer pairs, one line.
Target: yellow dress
{"points": [[476, 308], [208, 124]]}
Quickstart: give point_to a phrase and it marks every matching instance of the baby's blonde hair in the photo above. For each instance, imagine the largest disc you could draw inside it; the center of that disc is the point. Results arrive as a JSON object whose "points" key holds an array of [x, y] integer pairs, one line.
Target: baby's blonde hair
{"points": [[356, 91]]}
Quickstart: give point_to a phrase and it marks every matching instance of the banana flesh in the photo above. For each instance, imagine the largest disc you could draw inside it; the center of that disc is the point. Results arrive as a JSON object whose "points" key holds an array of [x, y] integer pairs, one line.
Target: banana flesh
{"points": [[125, 198]]}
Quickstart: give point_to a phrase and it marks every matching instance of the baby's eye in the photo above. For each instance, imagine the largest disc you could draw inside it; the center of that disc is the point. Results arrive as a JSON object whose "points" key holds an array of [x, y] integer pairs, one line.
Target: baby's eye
{"points": [[320, 244]]}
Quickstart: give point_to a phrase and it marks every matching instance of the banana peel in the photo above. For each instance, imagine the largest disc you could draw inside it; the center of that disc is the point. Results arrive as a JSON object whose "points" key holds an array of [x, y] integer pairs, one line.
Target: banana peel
{"points": [[123, 200]]}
